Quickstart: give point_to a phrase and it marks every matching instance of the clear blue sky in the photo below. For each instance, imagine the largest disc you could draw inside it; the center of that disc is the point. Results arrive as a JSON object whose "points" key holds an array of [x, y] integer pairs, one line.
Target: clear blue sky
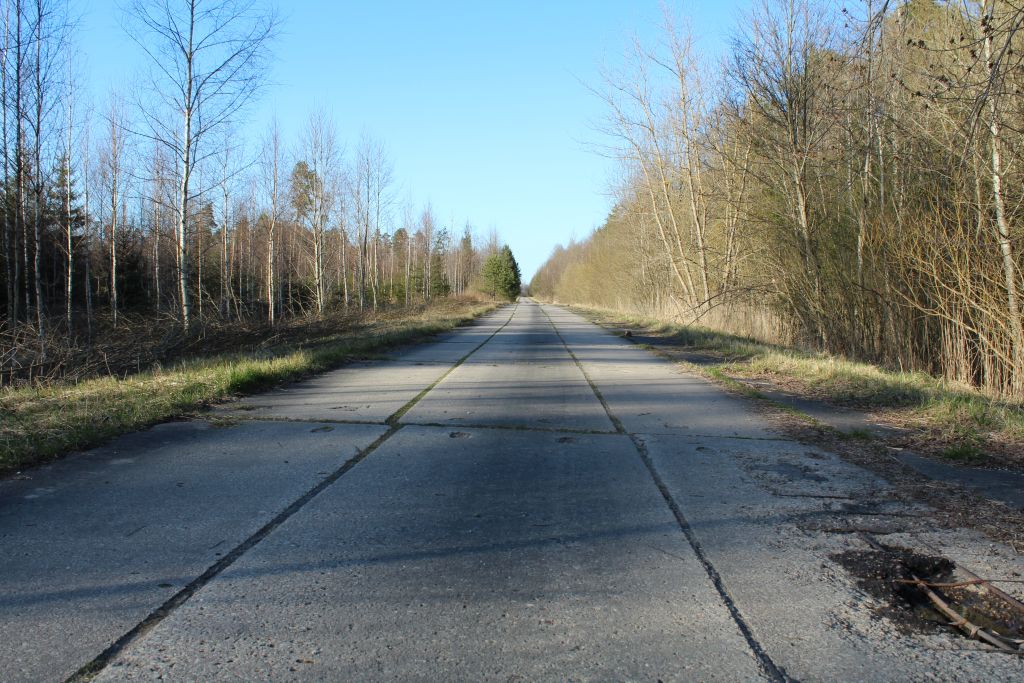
{"points": [[483, 105]]}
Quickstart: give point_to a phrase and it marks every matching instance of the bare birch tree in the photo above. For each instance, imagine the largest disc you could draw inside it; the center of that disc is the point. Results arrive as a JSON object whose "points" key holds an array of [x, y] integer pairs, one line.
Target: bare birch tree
{"points": [[271, 169], [315, 188], [207, 61], [112, 172]]}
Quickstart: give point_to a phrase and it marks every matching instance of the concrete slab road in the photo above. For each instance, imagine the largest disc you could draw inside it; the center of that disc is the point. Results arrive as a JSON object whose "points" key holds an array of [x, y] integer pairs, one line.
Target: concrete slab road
{"points": [[526, 499]]}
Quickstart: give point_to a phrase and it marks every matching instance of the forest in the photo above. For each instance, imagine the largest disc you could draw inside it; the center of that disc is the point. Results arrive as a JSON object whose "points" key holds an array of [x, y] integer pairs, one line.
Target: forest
{"points": [[846, 179], [150, 216]]}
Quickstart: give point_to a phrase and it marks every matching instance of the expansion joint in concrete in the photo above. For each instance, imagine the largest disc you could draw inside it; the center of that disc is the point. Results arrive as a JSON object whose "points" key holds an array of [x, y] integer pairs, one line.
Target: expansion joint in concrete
{"points": [[764, 660], [98, 663], [395, 417]]}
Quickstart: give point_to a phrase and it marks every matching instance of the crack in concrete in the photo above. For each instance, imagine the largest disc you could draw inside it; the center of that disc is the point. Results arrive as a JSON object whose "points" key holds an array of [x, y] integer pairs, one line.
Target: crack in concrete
{"points": [[768, 667]]}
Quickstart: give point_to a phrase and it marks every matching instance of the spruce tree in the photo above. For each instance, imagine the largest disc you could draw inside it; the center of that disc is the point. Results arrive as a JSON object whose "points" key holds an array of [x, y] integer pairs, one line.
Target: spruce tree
{"points": [[501, 274]]}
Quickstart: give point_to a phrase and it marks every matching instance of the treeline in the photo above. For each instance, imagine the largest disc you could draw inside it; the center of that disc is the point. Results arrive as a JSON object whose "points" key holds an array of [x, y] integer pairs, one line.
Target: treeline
{"points": [[850, 179], [154, 203]]}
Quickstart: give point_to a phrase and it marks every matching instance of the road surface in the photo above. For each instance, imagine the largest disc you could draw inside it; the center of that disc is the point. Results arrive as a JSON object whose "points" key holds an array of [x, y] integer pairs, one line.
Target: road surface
{"points": [[527, 498]]}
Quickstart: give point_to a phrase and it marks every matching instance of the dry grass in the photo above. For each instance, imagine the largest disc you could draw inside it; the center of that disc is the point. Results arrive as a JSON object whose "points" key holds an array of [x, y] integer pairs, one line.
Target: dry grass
{"points": [[41, 422]]}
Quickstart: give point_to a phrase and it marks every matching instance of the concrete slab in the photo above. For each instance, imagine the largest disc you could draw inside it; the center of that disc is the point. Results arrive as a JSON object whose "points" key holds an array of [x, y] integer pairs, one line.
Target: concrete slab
{"points": [[521, 395], [446, 352], [95, 542], [530, 382], [767, 515], [492, 556], [651, 395], [370, 391]]}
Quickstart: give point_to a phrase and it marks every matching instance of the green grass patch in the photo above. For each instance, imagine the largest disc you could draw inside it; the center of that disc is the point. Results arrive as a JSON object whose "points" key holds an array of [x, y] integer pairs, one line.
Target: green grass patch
{"points": [[966, 453], [40, 423], [844, 381]]}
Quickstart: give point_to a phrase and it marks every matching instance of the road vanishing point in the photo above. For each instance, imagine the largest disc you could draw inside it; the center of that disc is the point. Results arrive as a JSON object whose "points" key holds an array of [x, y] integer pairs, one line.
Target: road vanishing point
{"points": [[527, 498]]}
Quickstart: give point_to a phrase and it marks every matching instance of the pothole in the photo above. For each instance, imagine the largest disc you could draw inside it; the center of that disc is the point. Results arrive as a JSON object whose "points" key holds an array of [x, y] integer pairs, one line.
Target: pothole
{"points": [[887, 574]]}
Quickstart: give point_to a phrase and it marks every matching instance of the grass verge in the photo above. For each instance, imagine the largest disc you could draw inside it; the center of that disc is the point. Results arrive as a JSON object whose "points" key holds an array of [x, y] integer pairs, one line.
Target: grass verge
{"points": [[947, 419], [40, 423]]}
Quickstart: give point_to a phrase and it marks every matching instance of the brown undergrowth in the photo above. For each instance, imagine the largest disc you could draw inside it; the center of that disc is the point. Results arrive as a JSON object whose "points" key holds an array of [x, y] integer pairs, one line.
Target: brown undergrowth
{"points": [[161, 376], [142, 342]]}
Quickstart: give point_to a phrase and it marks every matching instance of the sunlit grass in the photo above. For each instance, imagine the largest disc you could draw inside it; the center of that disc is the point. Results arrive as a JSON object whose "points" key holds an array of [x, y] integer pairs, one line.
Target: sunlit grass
{"points": [[39, 423]]}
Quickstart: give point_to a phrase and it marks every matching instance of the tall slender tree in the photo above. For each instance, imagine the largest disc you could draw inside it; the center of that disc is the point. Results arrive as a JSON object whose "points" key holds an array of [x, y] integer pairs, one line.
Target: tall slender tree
{"points": [[208, 59]]}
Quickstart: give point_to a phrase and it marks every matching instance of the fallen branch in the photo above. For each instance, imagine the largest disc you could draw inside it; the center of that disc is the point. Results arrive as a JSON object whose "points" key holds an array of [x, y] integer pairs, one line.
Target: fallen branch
{"points": [[972, 630], [995, 590]]}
